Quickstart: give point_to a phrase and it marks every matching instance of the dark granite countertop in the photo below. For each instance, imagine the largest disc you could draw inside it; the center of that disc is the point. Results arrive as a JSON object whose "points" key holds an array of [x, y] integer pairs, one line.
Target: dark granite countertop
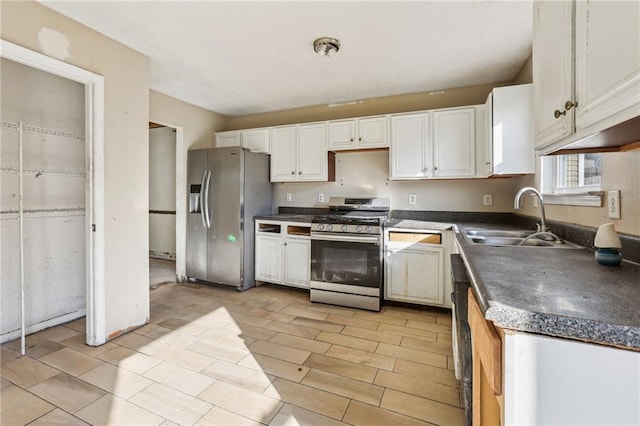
{"points": [[556, 292], [285, 217]]}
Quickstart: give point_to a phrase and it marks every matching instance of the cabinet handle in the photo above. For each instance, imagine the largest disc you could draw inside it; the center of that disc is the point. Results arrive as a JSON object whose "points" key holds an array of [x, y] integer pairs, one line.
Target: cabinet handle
{"points": [[359, 139], [568, 105], [293, 173], [351, 139], [435, 168], [487, 163], [557, 113], [300, 172]]}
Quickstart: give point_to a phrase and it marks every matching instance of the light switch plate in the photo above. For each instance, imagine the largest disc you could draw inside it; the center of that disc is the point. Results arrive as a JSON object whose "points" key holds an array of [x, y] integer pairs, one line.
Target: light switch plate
{"points": [[487, 200], [412, 199], [613, 204]]}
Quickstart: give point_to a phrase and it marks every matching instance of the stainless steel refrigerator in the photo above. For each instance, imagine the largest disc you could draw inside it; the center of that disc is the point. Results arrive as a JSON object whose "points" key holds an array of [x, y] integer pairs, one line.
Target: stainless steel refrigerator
{"points": [[226, 187]]}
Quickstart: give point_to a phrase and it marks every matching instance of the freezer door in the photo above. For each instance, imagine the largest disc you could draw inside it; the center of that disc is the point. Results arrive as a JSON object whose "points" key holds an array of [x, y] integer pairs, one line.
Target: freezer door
{"points": [[196, 230], [224, 239]]}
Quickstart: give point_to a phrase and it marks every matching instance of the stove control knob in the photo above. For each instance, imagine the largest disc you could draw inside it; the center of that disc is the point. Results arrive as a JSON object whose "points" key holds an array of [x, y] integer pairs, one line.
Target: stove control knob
{"points": [[320, 227], [329, 227], [359, 228], [368, 229], [343, 228]]}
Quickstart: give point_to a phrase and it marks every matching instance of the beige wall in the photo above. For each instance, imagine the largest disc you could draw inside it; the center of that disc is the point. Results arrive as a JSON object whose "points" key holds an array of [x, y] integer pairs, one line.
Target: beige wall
{"points": [[366, 174], [525, 75], [391, 104], [620, 171], [126, 156], [196, 128]]}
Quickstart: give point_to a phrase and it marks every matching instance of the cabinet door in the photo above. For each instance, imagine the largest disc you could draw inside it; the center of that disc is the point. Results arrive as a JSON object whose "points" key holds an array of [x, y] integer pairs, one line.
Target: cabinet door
{"points": [[312, 152], [552, 70], [607, 60], [454, 143], [269, 258], [283, 154], [227, 139], [372, 132], [342, 134], [410, 150], [256, 140], [513, 151], [415, 273], [297, 261]]}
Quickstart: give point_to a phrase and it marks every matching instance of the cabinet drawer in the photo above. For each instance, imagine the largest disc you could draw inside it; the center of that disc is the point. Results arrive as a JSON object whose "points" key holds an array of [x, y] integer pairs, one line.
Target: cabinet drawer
{"points": [[415, 237]]}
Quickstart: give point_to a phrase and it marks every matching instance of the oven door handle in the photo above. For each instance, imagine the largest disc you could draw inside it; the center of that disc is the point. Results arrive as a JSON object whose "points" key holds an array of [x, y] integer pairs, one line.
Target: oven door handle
{"points": [[347, 239]]}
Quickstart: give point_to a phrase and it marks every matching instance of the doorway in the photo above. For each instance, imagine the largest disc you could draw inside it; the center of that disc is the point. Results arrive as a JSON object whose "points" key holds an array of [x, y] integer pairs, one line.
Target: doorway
{"points": [[55, 167], [162, 204]]}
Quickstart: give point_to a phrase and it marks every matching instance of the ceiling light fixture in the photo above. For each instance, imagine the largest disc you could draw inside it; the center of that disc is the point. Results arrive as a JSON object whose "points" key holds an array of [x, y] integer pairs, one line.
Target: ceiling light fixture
{"points": [[326, 46]]}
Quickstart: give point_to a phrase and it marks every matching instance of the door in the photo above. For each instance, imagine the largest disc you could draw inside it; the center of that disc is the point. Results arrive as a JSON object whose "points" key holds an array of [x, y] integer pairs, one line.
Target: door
{"points": [[312, 152], [224, 237], [196, 222], [341, 134], [415, 274], [454, 143], [297, 260], [269, 258], [552, 70], [283, 154], [372, 132], [410, 146]]}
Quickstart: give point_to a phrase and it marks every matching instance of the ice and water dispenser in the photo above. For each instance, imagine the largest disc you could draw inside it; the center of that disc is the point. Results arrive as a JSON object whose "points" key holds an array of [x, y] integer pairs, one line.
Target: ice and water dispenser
{"points": [[195, 203]]}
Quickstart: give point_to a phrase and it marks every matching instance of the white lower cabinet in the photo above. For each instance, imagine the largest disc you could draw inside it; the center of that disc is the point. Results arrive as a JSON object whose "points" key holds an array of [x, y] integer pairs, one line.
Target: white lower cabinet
{"points": [[283, 253], [297, 261], [416, 267]]}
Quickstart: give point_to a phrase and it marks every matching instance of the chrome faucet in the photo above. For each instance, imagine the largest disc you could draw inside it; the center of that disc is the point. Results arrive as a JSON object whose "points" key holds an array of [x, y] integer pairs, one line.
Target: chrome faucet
{"points": [[516, 205]]}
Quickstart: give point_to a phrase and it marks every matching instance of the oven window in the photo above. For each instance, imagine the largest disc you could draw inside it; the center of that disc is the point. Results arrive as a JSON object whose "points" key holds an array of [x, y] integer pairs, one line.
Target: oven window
{"points": [[346, 263]]}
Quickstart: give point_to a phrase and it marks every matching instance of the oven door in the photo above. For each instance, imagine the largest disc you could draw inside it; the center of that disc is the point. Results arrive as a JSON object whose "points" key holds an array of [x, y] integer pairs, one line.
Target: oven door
{"points": [[349, 263]]}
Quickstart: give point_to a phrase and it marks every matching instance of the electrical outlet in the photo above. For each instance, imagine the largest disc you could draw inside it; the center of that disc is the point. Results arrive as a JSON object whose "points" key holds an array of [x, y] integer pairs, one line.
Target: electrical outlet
{"points": [[412, 199], [321, 198], [288, 197], [535, 200], [487, 200], [613, 203]]}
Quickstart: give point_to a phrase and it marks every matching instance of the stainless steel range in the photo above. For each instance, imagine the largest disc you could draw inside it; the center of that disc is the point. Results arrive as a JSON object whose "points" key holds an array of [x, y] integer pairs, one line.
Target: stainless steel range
{"points": [[346, 253]]}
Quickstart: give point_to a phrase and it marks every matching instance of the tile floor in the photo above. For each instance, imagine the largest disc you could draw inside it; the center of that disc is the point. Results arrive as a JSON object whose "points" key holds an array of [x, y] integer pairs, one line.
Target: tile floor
{"points": [[212, 355]]}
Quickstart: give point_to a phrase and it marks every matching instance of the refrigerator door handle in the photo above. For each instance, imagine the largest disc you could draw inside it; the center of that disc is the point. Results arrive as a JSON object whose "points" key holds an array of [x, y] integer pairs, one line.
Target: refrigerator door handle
{"points": [[207, 216], [202, 203]]}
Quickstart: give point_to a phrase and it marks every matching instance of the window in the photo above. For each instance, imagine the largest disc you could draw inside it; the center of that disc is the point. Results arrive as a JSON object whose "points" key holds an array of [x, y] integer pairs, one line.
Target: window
{"points": [[577, 173], [572, 179]]}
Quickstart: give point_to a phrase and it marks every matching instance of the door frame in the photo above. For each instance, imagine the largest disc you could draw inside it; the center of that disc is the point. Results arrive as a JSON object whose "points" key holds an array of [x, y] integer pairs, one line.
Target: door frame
{"points": [[181, 200], [94, 189]]}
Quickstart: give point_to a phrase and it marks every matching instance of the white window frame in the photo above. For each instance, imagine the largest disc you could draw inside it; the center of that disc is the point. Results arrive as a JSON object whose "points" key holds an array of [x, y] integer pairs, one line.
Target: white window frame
{"points": [[584, 195]]}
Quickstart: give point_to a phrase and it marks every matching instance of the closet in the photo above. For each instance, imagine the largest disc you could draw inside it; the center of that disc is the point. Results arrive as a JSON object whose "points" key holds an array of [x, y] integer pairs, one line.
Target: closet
{"points": [[43, 238]]}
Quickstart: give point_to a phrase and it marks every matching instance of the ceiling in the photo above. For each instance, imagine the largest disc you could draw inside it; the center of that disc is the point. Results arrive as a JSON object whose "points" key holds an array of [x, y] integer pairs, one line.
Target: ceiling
{"points": [[238, 58]]}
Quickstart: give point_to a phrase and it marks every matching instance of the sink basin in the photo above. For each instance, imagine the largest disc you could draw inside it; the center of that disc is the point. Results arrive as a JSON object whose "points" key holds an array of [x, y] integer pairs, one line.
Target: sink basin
{"points": [[497, 233], [512, 238]]}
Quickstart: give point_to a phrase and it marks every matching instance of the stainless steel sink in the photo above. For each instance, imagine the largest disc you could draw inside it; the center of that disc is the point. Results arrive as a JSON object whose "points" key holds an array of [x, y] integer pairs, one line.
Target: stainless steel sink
{"points": [[513, 238]]}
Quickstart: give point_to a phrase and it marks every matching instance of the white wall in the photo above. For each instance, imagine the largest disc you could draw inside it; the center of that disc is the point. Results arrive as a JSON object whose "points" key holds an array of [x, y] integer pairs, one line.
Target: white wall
{"points": [[366, 174], [126, 156], [54, 199], [162, 192]]}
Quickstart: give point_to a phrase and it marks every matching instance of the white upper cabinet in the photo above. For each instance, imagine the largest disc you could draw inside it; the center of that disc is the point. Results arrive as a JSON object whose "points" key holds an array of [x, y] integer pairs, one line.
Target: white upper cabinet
{"points": [[507, 148], [283, 154], [604, 56], [410, 151], [358, 133], [433, 144], [299, 153], [552, 70], [312, 152], [607, 60], [227, 139], [454, 143], [256, 140]]}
